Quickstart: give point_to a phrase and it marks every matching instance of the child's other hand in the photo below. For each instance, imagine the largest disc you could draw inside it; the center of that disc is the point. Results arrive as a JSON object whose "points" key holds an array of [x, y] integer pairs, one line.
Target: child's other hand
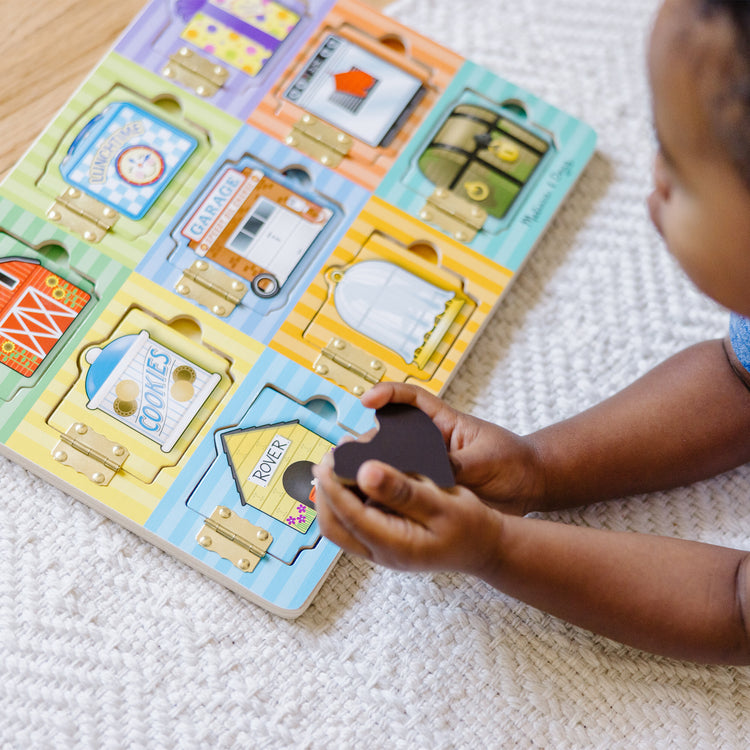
{"points": [[495, 464], [407, 523]]}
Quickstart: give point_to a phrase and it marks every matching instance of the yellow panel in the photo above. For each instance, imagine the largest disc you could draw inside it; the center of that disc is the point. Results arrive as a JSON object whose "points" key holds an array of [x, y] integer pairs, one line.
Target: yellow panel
{"points": [[169, 387], [382, 232], [203, 337]]}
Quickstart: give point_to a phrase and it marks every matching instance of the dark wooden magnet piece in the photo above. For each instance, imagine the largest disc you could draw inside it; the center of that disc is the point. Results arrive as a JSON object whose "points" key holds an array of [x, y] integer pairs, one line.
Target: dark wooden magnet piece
{"points": [[407, 439]]}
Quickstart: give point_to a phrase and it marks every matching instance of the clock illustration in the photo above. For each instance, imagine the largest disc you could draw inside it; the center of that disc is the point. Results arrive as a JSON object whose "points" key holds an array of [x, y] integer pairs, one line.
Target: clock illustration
{"points": [[140, 165]]}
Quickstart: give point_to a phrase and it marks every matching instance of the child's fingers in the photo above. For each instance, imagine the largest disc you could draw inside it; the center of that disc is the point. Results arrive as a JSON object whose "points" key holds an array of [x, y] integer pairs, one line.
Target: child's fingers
{"points": [[328, 518], [438, 411], [402, 393], [365, 437], [352, 524], [362, 528], [418, 500], [343, 517]]}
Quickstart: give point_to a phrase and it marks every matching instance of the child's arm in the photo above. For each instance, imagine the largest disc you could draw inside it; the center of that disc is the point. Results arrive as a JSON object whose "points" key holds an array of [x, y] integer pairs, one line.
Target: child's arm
{"points": [[678, 598], [687, 419]]}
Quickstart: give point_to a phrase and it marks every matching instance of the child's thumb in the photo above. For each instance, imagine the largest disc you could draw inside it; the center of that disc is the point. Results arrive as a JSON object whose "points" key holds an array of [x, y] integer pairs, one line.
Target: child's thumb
{"points": [[395, 491]]}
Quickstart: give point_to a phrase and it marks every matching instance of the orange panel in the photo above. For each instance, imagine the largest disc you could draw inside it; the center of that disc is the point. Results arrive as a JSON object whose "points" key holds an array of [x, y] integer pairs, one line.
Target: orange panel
{"points": [[354, 38]]}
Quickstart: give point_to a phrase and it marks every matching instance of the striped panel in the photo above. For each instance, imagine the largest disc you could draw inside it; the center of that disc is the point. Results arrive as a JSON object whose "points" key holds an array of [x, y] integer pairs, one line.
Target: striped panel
{"points": [[206, 481], [36, 182], [261, 318], [510, 240], [78, 263], [442, 63], [364, 164], [154, 35], [35, 438], [314, 322]]}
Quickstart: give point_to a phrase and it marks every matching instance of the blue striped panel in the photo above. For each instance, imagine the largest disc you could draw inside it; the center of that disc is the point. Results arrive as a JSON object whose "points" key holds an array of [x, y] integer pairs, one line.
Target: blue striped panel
{"points": [[207, 481], [256, 317], [507, 242]]}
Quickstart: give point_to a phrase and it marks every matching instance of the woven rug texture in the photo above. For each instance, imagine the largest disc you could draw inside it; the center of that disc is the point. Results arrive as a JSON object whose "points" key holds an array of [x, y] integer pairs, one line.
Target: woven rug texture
{"points": [[107, 642]]}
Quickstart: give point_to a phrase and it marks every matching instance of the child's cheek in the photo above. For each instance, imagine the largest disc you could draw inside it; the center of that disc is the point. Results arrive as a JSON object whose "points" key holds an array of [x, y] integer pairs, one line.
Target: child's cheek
{"points": [[684, 239]]}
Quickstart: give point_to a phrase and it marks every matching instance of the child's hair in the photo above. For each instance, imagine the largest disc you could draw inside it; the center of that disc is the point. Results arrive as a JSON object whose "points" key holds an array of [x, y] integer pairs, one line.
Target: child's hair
{"points": [[732, 106]]}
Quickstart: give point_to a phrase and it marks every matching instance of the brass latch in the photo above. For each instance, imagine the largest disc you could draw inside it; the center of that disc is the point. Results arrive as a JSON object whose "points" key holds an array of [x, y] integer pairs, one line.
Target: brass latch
{"points": [[90, 453], [351, 368], [210, 287], [458, 217], [195, 72], [82, 214], [319, 140], [234, 538]]}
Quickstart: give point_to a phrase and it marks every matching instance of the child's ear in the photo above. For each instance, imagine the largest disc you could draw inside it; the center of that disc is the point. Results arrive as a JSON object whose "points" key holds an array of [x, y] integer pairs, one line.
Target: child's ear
{"points": [[407, 439]]}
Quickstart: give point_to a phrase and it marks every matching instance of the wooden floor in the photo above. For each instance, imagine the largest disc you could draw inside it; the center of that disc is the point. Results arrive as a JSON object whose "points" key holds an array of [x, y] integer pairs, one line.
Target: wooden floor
{"points": [[47, 48]]}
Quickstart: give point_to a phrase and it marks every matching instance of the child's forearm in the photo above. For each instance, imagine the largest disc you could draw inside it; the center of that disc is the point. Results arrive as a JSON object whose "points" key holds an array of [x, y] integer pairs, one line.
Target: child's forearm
{"points": [[686, 420], [668, 596]]}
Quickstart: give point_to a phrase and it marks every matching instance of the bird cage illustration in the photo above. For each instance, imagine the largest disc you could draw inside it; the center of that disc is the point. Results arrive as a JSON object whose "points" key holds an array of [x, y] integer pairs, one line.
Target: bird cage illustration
{"points": [[37, 307], [483, 157], [395, 308]]}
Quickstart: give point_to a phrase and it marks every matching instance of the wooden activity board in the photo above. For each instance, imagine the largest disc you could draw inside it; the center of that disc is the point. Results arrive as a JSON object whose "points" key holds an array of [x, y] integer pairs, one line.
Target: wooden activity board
{"points": [[248, 214]]}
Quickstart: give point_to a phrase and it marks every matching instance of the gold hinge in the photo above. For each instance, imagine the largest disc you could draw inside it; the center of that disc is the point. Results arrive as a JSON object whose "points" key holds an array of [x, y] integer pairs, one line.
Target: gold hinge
{"points": [[460, 218], [82, 214], [234, 538], [349, 367], [319, 140], [90, 453], [210, 287], [195, 72]]}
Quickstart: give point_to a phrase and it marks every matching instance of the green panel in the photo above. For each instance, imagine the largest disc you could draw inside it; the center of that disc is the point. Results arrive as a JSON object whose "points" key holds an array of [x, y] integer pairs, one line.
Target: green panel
{"points": [[36, 182]]}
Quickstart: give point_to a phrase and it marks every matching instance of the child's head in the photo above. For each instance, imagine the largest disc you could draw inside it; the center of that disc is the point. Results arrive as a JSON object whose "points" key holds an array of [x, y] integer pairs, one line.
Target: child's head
{"points": [[699, 64]]}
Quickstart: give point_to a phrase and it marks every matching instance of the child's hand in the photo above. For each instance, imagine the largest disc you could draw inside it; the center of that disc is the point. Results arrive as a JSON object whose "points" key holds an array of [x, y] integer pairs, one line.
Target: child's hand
{"points": [[407, 523], [498, 466]]}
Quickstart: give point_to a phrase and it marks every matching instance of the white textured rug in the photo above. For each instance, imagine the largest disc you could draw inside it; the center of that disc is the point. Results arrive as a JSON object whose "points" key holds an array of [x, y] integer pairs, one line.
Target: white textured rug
{"points": [[106, 642]]}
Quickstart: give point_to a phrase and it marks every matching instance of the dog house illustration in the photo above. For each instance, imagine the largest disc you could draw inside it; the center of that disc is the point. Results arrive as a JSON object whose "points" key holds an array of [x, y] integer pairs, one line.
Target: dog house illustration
{"points": [[483, 157], [395, 307], [255, 227], [241, 33], [125, 157], [272, 469], [147, 386], [36, 308]]}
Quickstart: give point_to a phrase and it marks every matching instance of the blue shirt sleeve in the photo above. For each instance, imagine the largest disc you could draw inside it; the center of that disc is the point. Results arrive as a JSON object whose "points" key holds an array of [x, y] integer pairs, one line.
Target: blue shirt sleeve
{"points": [[739, 338]]}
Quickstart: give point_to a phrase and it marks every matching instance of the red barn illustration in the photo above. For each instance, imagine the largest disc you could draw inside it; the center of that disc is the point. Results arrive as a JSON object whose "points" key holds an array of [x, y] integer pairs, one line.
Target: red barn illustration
{"points": [[36, 308]]}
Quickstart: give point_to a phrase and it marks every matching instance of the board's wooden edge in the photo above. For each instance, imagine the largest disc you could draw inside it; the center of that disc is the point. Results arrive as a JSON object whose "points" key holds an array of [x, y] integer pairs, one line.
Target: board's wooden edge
{"points": [[160, 542]]}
